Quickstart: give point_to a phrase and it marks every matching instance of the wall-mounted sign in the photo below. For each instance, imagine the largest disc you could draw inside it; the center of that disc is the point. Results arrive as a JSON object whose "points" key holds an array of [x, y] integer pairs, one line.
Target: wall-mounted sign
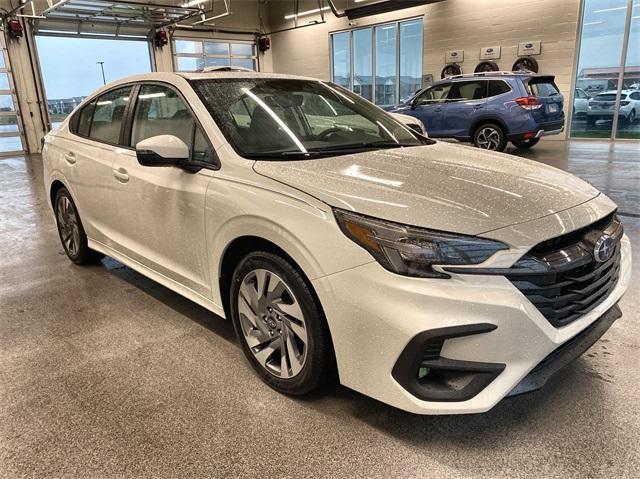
{"points": [[454, 56], [528, 48], [427, 80], [489, 53]]}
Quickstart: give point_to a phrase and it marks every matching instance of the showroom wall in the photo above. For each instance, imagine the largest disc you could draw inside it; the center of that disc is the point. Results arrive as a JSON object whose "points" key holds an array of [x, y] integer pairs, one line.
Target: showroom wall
{"points": [[449, 25]]}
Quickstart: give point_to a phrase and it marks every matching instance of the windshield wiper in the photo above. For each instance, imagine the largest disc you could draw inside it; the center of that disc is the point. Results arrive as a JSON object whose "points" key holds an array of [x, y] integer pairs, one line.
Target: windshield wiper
{"points": [[329, 151]]}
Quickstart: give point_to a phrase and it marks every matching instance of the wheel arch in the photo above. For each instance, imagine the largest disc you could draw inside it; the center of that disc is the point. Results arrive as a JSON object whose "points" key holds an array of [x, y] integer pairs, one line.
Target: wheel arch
{"points": [[487, 119]]}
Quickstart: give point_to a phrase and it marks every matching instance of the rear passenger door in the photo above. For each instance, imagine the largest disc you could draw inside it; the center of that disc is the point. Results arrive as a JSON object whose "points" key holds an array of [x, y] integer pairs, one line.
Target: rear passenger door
{"points": [[465, 104], [162, 208], [97, 143]]}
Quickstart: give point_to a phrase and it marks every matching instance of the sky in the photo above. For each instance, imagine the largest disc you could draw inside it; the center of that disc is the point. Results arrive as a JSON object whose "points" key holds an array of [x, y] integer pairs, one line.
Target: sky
{"points": [[69, 65]]}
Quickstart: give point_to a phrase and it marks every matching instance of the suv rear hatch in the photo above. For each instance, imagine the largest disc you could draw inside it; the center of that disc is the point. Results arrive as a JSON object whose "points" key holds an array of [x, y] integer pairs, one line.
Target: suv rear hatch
{"points": [[548, 95]]}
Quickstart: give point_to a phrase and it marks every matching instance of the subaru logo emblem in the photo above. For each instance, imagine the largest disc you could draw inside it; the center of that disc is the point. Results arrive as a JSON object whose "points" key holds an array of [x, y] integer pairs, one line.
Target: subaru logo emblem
{"points": [[529, 45], [603, 249], [489, 50]]}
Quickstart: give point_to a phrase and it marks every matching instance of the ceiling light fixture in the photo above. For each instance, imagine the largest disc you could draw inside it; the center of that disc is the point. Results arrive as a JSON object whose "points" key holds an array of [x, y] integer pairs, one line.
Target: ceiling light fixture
{"points": [[306, 12]]}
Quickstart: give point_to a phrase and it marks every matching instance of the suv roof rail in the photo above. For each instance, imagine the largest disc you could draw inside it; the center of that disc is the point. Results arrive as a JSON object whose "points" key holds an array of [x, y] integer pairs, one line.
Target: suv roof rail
{"points": [[224, 69], [484, 74]]}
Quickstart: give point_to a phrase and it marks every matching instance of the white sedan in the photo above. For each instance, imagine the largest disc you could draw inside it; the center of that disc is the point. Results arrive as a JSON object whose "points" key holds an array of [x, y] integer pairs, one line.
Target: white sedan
{"points": [[341, 244]]}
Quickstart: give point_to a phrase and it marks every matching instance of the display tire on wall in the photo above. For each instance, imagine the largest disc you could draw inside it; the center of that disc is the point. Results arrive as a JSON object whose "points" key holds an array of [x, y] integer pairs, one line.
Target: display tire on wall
{"points": [[280, 325], [71, 231], [486, 66], [525, 64], [524, 144], [490, 136], [451, 70]]}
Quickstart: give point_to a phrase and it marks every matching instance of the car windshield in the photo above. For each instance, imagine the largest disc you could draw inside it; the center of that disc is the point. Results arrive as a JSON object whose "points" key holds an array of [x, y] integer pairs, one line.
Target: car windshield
{"points": [[287, 119]]}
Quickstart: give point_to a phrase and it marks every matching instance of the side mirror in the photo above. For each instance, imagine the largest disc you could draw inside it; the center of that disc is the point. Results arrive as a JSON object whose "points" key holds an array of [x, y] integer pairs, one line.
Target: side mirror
{"points": [[162, 150]]}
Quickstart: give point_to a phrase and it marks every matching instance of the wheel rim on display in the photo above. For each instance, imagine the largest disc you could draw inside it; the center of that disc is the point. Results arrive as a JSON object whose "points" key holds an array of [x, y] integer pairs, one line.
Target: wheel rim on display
{"points": [[272, 323], [68, 224], [488, 138]]}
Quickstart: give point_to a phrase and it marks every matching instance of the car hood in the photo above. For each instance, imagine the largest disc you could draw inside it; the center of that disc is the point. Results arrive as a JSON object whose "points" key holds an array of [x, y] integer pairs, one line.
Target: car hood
{"points": [[440, 186]]}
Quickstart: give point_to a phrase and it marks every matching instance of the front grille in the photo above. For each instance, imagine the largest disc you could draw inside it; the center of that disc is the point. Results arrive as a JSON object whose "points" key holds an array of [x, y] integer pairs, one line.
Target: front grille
{"points": [[567, 282]]}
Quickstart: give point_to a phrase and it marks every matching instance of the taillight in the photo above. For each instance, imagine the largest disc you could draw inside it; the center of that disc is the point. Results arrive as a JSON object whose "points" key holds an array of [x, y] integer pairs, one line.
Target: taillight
{"points": [[529, 102], [624, 103]]}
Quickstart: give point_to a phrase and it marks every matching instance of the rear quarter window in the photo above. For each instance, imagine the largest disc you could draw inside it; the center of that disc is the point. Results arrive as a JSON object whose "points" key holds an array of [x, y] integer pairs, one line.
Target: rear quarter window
{"points": [[83, 121], [498, 87]]}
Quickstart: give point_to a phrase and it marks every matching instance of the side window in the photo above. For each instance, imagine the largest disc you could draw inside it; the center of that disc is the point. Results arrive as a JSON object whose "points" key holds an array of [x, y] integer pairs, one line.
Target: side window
{"points": [[160, 110], [84, 119], [435, 94], [581, 94], [108, 115], [468, 90], [498, 87]]}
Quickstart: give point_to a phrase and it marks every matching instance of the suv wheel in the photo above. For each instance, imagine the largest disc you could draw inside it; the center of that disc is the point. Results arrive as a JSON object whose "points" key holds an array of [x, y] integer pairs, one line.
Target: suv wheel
{"points": [[280, 324], [631, 119], [524, 144], [72, 235], [490, 137]]}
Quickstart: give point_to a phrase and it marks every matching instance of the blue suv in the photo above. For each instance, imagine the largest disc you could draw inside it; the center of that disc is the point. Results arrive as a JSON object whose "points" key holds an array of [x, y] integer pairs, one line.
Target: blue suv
{"points": [[490, 109]]}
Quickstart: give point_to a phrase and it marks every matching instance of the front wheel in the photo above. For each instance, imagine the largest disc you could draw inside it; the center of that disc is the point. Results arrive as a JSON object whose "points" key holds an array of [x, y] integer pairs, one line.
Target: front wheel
{"points": [[490, 137], [280, 324], [524, 144]]}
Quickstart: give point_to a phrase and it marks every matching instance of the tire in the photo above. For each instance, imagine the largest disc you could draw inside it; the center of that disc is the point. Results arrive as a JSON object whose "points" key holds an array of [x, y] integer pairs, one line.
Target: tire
{"points": [[524, 144], [631, 119], [490, 136], [291, 315], [71, 231]]}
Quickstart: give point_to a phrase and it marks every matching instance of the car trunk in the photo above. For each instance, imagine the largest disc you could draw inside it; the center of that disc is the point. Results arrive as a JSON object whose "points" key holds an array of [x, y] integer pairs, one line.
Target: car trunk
{"points": [[548, 94]]}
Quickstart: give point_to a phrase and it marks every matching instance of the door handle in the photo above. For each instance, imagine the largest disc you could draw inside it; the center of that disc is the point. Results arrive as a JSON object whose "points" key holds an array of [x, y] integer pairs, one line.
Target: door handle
{"points": [[121, 175], [439, 109], [477, 107], [70, 158]]}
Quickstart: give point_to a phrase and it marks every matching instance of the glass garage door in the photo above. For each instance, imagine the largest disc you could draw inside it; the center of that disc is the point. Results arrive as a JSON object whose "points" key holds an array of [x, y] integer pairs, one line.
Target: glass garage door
{"points": [[606, 105], [11, 135]]}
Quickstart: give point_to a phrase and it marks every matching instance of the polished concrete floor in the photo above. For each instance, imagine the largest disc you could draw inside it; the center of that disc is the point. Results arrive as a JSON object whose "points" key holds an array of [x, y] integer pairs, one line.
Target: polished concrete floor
{"points": [[104, 373]]}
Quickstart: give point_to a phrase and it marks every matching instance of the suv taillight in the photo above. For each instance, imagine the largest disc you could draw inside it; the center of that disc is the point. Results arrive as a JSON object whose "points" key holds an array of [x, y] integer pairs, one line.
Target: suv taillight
{"points": [[624, 102], [529, 102]]}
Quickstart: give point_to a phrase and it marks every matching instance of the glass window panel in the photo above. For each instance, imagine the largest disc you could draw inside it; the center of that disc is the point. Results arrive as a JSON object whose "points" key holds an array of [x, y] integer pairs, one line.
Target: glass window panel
{"points": [[629, 114], [601, 40], [2, 63], [218, 62], [201, 148], [84, 121], [363, 63], [186, 64], [188, 46], [341, 59], [161, 111], [10, 143], [216, 48], [386, 64], [4, 81], [410, 58], [246, 49], [8, 124], [243, 62], [6, 103], [108, 115]]}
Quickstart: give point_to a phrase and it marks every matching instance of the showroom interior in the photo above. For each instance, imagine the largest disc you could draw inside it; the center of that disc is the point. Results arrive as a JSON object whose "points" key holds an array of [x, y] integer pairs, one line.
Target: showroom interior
{"points": [[106, 371]]}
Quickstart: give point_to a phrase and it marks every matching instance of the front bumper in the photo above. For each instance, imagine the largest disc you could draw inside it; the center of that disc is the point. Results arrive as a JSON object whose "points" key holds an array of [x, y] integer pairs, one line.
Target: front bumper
{"points": [[374, 314]]}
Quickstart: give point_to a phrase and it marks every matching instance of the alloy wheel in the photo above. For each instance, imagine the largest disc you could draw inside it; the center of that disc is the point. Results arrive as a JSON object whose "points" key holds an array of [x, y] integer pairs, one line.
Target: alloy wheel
{"points": [[272, 323], [488, 138], [68, 225]]}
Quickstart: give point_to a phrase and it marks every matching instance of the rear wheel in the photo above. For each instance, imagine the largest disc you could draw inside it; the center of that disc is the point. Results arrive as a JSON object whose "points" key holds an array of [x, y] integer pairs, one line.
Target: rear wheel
{"points": [[631, 119], [490, 136], [72, 234], [525, 143], [280, 324]]}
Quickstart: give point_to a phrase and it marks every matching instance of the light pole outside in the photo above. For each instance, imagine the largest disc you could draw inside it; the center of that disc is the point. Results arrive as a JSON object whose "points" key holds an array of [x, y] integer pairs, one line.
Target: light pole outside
{"points": [[104, 80]]}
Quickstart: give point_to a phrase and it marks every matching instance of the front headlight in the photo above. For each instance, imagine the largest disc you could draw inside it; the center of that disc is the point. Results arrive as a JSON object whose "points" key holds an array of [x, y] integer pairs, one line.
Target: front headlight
{"points": [[412, 251]]}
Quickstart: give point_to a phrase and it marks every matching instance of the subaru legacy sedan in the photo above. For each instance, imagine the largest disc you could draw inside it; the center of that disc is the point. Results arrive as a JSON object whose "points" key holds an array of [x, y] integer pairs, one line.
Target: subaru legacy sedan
{"points": [[343, 245]]}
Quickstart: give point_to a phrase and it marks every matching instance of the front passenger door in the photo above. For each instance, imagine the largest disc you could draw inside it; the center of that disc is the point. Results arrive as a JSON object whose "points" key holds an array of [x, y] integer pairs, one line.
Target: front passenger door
{"points": [[429, 108], [162, 208]]}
